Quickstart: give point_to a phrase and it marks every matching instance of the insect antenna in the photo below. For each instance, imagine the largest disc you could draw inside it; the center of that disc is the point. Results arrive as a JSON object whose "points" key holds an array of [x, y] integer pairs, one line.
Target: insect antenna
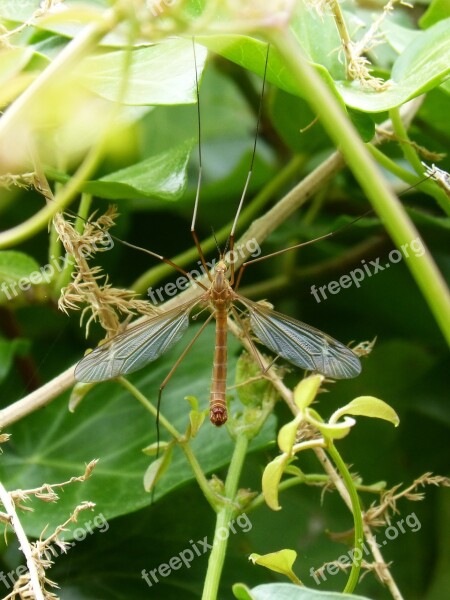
{"points": [[219, 251], [200, 170], [231, 237]]}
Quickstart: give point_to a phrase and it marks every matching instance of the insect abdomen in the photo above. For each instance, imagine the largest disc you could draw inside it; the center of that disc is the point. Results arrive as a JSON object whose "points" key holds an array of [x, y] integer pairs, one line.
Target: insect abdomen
{"points": [[217, 403]]}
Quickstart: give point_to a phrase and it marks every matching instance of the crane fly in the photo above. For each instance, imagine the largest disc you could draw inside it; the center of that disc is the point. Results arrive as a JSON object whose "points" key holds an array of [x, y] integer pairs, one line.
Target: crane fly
{"points": [[297, 342]]}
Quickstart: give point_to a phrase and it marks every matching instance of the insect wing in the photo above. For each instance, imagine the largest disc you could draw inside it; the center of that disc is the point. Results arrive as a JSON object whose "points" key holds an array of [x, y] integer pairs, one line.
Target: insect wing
{"points": [[131, 350], [301, 344]]}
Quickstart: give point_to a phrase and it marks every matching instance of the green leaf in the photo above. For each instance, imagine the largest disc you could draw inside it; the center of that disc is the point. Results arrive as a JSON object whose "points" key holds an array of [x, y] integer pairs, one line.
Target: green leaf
{"points": [[296, 123], [251, 386], [157, 468], [280, 562], [271, 479], [364, 124], [423, 65], [241, 592], [78, 394], [335, 431], [250, 53], [196, 420], [367, 406], [159, 74], [153, 449], [18, 11], [437, 11], [319, 38], [306, 390], [9, 349], [112, 426], [18, 272], [288, 434], [399, 37], [12, 61], [289, 591], [162, 176]]}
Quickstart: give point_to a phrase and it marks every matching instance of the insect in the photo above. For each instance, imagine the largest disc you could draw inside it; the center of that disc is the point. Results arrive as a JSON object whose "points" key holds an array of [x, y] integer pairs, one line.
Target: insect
{"points": [[297, 342]]}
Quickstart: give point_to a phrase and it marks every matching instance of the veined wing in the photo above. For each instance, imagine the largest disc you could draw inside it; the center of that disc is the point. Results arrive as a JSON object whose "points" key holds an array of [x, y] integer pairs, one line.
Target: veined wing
{"points": [[131, 350], [301, 344]]}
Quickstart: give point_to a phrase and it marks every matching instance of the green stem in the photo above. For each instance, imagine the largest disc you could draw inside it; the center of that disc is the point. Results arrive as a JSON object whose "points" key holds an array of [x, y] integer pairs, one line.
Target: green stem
{"points": [[199, 475], [428, 186], [340, 129], [156, 274], [202, 481], [224, 516], [409, 151], [357, 517]]}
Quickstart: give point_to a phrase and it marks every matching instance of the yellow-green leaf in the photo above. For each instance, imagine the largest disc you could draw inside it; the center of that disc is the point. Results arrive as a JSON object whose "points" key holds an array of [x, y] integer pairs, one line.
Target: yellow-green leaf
{"points": [[196, 418], [157, 468], [306, 390], [78, 393], [154, 448], [287, 434], [335, 431], [367, 406], [192, 401], [271, 479], [280, 562]]}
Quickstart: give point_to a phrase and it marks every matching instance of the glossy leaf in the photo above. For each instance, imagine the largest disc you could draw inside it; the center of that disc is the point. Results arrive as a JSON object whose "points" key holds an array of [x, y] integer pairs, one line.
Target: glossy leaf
{"points": [[437, 11], [162, 176], [423, 65], [160, 74], [112, 426], [289, 591], [250, 53]]}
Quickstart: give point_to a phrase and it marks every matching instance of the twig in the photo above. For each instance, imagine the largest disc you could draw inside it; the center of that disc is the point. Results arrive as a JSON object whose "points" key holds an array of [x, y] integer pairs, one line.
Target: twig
{"points": [[24, 543]]}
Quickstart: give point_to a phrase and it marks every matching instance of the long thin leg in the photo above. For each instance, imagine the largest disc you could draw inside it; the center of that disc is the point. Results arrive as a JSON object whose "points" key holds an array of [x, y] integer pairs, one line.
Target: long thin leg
{"points": [[250, 341], [173, 369]]}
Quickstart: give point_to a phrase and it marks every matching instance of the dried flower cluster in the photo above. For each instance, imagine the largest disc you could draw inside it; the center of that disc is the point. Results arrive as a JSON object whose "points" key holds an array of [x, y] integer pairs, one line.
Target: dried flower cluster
{"points": [[39, 554], [90, 285]]}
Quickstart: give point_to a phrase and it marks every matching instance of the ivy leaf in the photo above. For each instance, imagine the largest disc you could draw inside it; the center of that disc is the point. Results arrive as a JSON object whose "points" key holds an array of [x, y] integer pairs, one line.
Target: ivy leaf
{"points": [[288, 591], [18, 271], [161, 176], [160, 74], [423, 65]]}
